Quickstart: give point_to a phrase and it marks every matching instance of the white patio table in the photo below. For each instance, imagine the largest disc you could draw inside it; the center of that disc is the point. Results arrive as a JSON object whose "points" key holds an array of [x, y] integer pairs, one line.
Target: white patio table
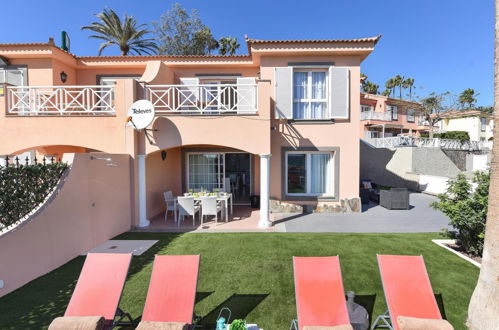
{"points": [[225, 198]]}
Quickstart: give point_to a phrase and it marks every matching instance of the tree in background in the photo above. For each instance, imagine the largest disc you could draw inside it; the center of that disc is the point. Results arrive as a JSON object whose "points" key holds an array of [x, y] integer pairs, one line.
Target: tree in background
{"points": [[370, 88], [408, 83], [127, 35], [433, 106], [467, 99], [397, 82], [390, 85], [484, 305], [386, 92], [181, 33], [228, 46]]}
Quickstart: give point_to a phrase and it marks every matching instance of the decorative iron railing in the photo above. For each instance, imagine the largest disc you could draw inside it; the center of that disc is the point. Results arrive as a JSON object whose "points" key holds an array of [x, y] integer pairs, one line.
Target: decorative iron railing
{"points": [[420, 142], [203, 99], [60, 100]]}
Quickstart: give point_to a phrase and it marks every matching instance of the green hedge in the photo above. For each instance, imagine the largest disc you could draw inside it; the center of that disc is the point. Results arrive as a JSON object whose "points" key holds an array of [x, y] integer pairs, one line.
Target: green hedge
{"points": [[452, 135], [24, 187]]}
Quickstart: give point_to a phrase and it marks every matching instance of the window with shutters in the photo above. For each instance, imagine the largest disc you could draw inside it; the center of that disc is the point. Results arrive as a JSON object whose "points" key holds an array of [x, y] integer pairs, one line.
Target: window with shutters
{"points": [[310, 96], [13, 75]]}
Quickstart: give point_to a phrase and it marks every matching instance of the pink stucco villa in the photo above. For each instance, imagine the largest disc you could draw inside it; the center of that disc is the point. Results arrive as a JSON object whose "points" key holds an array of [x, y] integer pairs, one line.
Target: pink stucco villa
{"points": [[281, 122], [383, 116]]}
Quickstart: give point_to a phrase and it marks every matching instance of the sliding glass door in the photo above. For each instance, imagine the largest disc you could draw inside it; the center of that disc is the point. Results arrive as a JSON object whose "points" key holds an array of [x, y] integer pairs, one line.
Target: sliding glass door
{"points": [[205, 171], [229, 171]]}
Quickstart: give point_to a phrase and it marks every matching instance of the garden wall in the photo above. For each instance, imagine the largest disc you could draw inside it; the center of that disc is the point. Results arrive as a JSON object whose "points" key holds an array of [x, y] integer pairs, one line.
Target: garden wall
{"points": [[92, 205]]}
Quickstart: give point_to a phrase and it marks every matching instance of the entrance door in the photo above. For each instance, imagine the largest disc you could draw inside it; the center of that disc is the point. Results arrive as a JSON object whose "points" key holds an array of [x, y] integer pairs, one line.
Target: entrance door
{"points": [[225, 171]]}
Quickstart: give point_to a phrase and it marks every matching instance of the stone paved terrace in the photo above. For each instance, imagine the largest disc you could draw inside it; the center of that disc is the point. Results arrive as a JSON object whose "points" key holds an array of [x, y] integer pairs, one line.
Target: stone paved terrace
{"points": [[373, 219]]}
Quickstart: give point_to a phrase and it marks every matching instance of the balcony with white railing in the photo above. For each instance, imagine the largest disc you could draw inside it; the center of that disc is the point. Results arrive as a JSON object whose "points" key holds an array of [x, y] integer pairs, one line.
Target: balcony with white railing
{"points": [[374, 115], [60, 100], [204, 99]]}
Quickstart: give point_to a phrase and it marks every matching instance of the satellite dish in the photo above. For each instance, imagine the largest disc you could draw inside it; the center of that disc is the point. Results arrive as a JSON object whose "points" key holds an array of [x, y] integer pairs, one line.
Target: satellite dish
{"points": [[141, 114]]}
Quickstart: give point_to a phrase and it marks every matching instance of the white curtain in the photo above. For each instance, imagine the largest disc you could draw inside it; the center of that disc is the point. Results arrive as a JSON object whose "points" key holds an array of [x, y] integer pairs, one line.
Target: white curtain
{"points": [[300, 109], [320, 175], [318, 110]]}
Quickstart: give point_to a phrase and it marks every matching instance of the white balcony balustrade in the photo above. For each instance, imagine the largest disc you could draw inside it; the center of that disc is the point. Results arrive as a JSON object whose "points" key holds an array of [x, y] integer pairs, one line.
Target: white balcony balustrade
{"points": [[374, 115], [203, 99], [60, 100]]}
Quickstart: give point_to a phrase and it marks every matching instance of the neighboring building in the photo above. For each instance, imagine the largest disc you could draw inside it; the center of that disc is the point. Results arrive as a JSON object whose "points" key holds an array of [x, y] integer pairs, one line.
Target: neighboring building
{"points": [[383, 116], [478, 124], [279, 122]]}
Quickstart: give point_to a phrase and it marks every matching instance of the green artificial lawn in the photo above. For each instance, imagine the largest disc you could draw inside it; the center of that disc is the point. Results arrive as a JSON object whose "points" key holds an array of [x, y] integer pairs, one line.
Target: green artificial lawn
{"points": [[252, 274]]}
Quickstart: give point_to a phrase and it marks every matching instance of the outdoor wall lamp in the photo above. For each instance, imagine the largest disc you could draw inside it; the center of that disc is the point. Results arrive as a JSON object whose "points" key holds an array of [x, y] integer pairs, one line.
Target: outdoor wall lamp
{"points": [[163, 155], [64, 76]]}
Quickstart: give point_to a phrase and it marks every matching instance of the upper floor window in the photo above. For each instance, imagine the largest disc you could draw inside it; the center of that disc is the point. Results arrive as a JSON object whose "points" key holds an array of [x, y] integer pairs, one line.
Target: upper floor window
{"points": [[13, 75], [483, 122], [366, 108], [394, 111], [309, 94], [411, 115]]}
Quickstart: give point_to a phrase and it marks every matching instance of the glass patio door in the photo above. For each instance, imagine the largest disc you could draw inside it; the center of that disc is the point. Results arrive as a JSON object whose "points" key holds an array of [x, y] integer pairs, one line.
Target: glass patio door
{"points": [[205, 171]]}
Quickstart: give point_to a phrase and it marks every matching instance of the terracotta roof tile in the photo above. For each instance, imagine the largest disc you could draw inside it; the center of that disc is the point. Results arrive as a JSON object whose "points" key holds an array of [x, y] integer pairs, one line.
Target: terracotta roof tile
{"points": [[257, 41]]}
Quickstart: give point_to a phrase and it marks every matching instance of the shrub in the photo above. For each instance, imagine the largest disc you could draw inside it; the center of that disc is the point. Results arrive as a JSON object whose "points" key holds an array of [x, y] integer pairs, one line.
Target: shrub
{"points": [[467, 209], [238, 325], [453, 135], [24, 187]]}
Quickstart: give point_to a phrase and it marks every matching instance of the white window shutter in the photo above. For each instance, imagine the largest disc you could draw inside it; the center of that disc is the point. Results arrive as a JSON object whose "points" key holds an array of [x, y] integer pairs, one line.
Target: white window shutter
{"points": [[246, 95], [283, 92], [189, 96], [339, 82]]}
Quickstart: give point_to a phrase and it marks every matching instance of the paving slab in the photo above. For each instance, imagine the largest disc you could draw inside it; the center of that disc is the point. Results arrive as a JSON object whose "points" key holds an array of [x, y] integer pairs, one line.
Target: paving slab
{"points": [[421, 218]]}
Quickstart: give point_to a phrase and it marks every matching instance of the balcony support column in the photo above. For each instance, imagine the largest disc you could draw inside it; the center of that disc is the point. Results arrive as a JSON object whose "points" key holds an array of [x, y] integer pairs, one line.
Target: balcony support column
{"points": [[141, 182], [264, 221]]}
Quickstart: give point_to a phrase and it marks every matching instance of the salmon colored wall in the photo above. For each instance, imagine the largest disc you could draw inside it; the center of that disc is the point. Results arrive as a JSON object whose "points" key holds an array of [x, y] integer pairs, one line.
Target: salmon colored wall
{"points": [[58, 67], [39, 70], [342, 134], [89, 76], [78, 219], [162, 175], [105, 133]]}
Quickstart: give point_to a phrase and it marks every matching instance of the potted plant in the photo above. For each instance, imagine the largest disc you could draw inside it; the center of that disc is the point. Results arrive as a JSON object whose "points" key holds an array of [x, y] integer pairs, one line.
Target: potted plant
{"points": [[238, 325]]}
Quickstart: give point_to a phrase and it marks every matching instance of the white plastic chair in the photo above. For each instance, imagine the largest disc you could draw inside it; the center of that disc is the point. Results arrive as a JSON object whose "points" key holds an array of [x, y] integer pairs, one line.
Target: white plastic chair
{"points": [[210, 206], [186, 206], [170, 205]]}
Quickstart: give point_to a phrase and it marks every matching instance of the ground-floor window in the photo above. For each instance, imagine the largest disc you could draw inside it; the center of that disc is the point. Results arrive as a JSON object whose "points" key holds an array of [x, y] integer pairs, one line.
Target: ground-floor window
{"points": [[309, 173], [205, 171]]}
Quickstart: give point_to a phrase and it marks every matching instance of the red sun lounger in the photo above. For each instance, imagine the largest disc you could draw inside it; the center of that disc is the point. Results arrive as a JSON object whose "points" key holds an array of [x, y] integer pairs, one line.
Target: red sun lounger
{"points": [[172, 289], [99, 287], [407, 290], [320, 298]]}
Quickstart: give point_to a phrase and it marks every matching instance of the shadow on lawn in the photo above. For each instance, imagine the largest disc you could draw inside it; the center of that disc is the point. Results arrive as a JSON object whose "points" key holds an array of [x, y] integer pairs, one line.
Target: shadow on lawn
{"points": [[240, 306], [37, 303]]}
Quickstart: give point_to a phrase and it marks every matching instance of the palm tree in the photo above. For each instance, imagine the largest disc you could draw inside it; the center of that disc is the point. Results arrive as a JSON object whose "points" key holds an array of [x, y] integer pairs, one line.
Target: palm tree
{"points": [[467, 98], [390, 85], [397, 81], [484, 305], [408, 83], [128, 35], [228, 45], [370, 88]]}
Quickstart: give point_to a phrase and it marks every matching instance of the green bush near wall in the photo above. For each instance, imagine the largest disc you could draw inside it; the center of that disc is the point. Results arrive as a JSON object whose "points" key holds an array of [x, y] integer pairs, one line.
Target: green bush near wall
{"points": [[24, 187], [451, 135]]}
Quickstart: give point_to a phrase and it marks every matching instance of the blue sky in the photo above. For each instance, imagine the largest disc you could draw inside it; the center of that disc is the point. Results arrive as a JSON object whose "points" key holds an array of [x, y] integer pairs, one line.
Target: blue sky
{"points": [[446, 45]]}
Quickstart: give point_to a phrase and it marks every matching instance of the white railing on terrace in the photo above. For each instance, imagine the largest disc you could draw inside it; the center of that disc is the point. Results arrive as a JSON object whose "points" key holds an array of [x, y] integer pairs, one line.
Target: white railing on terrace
{"points": [[60, 100], [203, 99], [373, 115], [411, 141]]}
